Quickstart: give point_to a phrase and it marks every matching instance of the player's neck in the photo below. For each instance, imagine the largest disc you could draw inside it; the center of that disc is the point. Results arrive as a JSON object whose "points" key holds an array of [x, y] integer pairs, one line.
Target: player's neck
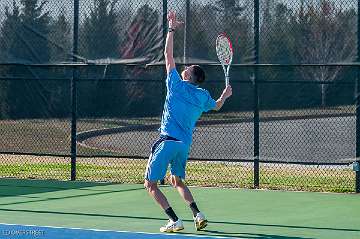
{"points": [[190, 82]]}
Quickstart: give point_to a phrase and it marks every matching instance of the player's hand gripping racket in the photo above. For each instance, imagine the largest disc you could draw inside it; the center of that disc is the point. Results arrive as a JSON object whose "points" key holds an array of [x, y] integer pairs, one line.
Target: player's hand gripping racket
{"points": [[224, 52]]}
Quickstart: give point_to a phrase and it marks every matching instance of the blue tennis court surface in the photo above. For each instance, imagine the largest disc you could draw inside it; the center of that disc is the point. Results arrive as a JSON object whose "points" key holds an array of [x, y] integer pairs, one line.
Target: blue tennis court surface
{"points": [[10, 231]]}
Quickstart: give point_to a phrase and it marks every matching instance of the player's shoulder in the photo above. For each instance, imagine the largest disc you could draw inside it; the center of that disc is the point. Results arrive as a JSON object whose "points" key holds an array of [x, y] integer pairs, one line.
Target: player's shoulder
{"points": [[203, 91], [173, 78], [173, 72]]}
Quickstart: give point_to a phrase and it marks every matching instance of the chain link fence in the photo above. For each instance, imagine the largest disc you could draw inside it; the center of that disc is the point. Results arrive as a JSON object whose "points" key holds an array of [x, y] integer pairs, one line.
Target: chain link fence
{"points": [[290, 124]]}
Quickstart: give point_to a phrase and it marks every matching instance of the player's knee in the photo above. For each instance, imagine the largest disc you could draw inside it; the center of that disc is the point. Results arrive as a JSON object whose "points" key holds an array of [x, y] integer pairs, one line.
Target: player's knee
{"points": [[149, 186], [176, 181]]}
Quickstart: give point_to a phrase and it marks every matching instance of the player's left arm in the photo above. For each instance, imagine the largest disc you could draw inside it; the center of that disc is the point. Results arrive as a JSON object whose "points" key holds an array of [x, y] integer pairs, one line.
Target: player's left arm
{"points": [[226, 94]]}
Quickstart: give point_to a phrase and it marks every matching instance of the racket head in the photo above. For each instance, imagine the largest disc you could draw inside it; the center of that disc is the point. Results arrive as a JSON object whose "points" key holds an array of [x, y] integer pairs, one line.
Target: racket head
{"points": [[224, 49]]}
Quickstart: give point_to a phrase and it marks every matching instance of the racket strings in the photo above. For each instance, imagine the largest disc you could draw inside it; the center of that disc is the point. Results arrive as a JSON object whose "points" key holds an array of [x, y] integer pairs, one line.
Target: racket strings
{"points": [[223, 50]]}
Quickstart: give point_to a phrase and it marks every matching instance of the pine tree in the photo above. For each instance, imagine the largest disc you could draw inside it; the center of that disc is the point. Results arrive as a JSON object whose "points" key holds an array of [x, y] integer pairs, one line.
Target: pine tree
{"points": [[25, 39], [34, 32], [99, 32], [101, 41], [8, 54], [60, 36], [9, 30]]}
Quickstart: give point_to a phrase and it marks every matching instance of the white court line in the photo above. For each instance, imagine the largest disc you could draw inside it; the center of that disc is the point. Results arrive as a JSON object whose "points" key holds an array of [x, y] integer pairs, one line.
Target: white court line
{"points": [[129, 232]]}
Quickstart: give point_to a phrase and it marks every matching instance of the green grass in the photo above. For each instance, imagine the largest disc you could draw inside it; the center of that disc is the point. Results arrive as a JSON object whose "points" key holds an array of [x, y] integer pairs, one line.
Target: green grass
{"points": [[325, 178], [198, 174]]}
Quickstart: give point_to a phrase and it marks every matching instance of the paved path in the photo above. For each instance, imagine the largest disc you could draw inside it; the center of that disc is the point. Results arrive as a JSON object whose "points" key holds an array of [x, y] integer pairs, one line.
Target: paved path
{"points": [[324, 140]]}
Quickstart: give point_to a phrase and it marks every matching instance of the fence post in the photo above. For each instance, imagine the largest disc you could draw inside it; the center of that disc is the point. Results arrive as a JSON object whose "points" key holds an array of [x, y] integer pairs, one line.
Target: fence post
{"points": [[165, 30], [357, 172], [74, 91], [256, 97], [186, 29]]}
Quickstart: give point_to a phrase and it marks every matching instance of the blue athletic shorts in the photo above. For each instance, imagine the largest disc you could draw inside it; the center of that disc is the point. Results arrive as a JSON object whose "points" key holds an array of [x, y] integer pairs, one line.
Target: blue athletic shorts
{"points": [[167, 150]]}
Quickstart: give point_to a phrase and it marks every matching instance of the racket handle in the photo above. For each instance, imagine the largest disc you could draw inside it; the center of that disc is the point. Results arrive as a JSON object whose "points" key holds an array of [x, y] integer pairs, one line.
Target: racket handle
{"points": [[227, 79]]}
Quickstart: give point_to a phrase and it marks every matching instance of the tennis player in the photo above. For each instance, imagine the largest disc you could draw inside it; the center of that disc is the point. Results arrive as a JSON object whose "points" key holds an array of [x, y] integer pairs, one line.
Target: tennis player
{"points": [[184, 104]]}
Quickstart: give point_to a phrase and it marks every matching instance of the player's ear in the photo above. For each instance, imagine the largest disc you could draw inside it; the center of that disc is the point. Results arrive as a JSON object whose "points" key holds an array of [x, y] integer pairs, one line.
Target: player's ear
{"points": [[199, 74]]}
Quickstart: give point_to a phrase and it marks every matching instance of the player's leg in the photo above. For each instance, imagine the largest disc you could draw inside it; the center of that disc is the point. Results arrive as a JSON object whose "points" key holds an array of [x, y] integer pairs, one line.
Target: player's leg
{"points": [[155, 171], [155, 192], [182, 189], [199, 218], [174, 224], [177, 166]]}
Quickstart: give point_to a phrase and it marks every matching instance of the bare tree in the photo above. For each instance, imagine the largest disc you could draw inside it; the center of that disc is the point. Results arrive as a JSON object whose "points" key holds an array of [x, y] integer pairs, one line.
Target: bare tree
{"points": [[328, 36]]}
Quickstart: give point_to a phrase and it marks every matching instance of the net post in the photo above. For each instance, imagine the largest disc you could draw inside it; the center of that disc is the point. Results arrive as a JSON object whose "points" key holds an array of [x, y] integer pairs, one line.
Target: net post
{"points": [[357, 100], [256, 95], [74, 91], [165, 30]]}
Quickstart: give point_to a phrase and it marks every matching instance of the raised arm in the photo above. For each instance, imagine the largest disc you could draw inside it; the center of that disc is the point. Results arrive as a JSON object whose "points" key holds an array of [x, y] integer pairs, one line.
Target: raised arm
{"points": [[168, 52], [226, 94]]}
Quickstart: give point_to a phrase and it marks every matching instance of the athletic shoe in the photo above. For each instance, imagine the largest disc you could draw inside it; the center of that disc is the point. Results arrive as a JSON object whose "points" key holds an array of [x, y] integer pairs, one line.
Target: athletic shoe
{"points": [[200, 221], [172, 226]]}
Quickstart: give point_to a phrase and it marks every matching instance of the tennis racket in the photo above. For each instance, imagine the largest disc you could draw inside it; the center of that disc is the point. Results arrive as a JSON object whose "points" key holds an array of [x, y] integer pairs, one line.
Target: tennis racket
{"points": [[224, 52]]}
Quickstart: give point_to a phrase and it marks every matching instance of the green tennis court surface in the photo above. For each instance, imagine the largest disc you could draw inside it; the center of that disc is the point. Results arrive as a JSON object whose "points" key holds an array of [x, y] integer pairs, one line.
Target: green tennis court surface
{"points": [[126, 211]]}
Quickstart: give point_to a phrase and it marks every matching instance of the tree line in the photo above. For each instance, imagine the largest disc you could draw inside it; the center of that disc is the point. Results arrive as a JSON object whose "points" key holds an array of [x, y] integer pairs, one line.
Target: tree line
{"points": [[312, 32]]}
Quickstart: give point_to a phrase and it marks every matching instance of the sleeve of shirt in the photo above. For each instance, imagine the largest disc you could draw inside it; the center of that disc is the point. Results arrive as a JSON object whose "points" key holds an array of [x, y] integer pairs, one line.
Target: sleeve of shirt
{"points": [[210, 103], [172, 78]]}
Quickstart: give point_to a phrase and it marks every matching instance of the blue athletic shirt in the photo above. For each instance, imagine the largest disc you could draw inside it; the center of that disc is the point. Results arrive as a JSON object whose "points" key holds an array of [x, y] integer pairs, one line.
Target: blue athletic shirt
{"points": [[184, 105]]}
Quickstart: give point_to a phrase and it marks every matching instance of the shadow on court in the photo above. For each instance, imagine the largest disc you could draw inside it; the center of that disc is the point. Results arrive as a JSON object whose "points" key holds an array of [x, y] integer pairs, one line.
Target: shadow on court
{"points": [[214, 232], [20, 187], [251, 235], [88, 193]]}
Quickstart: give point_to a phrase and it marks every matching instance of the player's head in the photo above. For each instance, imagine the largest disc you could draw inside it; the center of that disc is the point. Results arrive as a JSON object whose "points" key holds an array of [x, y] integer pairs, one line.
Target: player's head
{"points": [[194, 74]]}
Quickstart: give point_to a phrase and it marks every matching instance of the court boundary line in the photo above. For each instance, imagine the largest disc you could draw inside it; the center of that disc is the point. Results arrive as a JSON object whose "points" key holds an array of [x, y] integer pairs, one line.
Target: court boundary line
{"points": [[129, 232]]}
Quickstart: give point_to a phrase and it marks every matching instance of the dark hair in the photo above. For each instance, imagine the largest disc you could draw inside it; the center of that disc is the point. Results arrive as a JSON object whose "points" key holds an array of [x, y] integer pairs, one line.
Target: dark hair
{"points": [[198, 74]]}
